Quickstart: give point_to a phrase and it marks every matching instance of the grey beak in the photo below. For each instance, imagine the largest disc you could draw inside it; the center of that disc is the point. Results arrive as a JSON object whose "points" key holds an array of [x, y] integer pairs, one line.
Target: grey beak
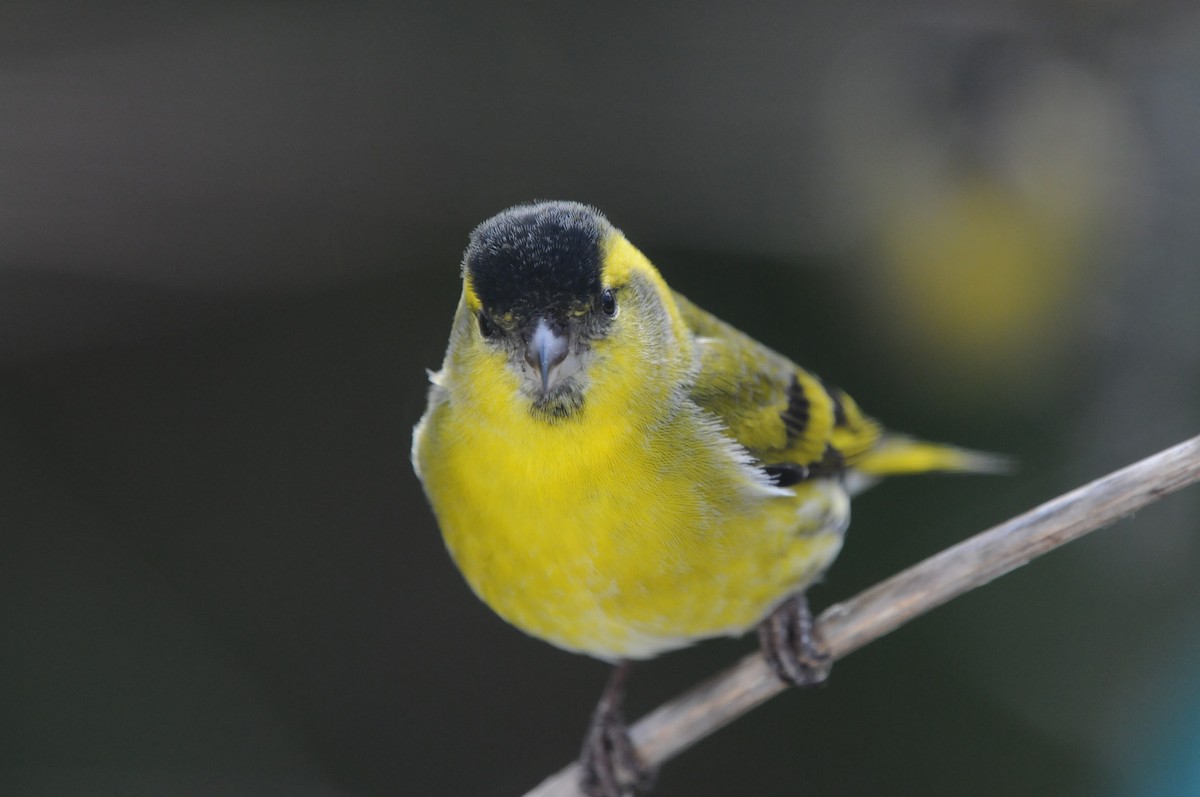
{"points": [[545, 349]]}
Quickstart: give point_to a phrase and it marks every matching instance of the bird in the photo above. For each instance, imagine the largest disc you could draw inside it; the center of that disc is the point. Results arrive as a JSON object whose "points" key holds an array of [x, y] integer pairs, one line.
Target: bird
{"points": [[621, 474]]}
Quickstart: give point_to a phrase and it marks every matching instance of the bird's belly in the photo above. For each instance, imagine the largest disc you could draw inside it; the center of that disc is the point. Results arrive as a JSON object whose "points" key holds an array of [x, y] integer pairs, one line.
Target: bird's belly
{"points": [[619, 554]]}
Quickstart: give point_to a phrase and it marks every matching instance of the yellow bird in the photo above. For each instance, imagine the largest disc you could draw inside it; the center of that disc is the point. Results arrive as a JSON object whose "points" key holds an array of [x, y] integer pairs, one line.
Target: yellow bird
{"points": [[619, 473]]}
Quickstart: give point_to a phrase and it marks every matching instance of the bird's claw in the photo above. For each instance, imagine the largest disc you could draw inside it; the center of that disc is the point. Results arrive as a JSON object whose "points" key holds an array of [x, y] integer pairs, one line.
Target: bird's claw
{"points": [[791, 645], [611, 764]]}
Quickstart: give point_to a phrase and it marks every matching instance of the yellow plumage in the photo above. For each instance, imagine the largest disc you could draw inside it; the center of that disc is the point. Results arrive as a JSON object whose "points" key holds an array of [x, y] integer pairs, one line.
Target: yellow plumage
{"points": [[662, 478]]}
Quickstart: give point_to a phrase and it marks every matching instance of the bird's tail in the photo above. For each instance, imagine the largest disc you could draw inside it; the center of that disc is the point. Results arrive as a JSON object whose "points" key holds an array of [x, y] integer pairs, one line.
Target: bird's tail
{"points": [[897, 455], [874, 453]]}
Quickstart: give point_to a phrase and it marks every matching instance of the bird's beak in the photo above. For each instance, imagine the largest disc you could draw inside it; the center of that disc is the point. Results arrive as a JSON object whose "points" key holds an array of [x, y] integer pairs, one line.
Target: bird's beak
{"points": [[545, 349]]}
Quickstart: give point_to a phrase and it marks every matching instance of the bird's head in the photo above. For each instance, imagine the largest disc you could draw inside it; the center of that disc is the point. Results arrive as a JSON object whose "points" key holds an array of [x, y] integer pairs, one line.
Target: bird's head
{"points": [[558, 299]]}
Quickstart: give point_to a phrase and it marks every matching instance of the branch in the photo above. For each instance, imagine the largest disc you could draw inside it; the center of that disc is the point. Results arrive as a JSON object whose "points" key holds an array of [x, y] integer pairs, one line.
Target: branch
{"points": [[846, 627]]}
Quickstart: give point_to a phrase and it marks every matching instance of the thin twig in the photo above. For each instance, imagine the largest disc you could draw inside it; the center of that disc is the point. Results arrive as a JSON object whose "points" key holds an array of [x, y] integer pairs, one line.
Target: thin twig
{"points": [[848, 626]]}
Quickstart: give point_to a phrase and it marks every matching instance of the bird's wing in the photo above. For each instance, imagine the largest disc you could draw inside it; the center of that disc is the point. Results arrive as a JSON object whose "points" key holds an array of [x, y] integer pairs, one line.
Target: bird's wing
{"points": [[783, 415], [795, 424]]}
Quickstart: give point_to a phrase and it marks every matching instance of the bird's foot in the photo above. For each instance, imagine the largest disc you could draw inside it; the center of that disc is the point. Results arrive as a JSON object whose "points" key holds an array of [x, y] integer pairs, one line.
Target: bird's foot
{"points": [[791, 645], [611, 765]]}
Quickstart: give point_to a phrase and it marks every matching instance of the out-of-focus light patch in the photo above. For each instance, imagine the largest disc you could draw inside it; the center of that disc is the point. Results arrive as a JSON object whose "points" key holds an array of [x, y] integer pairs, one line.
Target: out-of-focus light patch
{"points": [[979, 281], [1179, 775], [1169, 763], [989, 183]]}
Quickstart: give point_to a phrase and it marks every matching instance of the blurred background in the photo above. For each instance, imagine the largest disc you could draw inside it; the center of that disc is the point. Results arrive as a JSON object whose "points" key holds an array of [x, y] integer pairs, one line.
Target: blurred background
{"points": [[229, 245]]}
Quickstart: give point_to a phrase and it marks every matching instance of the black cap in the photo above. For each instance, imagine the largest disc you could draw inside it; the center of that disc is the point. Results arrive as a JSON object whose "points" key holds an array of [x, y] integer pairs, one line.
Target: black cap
{"points": [[540, 258]]}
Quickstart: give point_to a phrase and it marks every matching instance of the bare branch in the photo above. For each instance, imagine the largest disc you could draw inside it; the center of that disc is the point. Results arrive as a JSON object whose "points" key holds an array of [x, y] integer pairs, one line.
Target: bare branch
{"points": [[846, 627]]}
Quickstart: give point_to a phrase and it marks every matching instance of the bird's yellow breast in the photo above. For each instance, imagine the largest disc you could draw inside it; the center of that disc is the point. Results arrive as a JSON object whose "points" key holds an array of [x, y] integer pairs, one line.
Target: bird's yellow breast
{"points": [[627, 529]]}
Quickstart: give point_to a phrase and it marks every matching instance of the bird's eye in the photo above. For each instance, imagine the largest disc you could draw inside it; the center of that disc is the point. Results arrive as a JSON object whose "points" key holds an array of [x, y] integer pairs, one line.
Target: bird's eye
{"points": [[487, 327], [608, 303]]}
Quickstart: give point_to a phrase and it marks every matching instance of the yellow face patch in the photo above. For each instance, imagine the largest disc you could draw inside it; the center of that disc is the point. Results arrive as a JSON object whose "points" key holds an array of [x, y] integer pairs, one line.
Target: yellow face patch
{"points": [[470, 298], [621, 260]]}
